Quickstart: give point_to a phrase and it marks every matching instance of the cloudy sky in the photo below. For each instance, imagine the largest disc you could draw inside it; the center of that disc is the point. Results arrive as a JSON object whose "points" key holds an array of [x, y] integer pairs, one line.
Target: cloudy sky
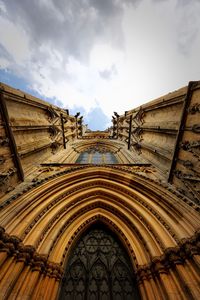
{"points": [[99, 56]]}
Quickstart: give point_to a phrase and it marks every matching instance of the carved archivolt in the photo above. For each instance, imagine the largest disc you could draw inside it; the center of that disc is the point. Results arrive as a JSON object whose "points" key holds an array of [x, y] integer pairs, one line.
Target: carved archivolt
{"points": [[46, 214]]}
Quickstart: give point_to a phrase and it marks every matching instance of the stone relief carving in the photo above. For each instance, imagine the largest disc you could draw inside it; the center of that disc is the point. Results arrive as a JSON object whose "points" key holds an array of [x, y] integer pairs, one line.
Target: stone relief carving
{"points": [[5, 175], [138, 117], [191, 182], [195, 108], [196, 128], [193, 147], [54, 130], [4, 141], [2, 159], [52, 114]]}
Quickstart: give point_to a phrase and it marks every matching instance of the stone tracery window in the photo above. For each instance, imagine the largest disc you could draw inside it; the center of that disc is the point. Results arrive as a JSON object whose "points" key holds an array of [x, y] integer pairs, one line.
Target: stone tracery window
{"points": [[99, 268], [97, 157]]}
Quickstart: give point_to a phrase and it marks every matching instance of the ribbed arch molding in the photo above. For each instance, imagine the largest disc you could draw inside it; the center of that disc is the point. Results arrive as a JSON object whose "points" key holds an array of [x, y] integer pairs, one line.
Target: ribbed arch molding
{"points": [[148, 218]]}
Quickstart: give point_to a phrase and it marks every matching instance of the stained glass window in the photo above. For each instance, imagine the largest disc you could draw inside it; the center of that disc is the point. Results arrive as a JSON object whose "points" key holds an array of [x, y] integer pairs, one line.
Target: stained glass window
{"points": [[97, 158], [83, 158], [99, 268]]}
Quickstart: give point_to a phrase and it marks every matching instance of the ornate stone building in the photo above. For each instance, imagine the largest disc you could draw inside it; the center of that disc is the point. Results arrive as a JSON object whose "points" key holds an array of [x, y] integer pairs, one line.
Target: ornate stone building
{"points": [[100, 215]]}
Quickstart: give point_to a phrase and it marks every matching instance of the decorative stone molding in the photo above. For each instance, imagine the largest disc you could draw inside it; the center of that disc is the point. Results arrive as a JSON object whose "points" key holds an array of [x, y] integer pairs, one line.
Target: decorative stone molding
{"points": [[192, 147], [106, 207], [137, 147], [142, 175], [4, 141], [52, 114], [89, 222], [5, 176], [171, 257], [13, 246], [138, 117], [109, 187], [55, 146], [54, 130], [191, 183], [2, 160], [196, 128], [195, 108]]}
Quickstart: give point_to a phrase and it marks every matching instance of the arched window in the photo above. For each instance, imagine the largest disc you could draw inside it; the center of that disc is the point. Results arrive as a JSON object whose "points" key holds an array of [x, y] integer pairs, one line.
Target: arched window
{"points": [[96, 157], [99, 268]]}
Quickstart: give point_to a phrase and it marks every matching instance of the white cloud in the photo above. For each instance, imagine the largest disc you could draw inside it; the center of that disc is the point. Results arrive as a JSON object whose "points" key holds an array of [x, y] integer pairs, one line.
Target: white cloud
{"points": [[4, 63], [116, 56], [14, 40], [2, 7], [103, 57]]}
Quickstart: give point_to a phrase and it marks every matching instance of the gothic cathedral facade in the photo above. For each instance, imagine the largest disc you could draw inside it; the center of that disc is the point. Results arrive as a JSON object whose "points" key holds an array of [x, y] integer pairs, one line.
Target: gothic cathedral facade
{"points": [[108, 214]]}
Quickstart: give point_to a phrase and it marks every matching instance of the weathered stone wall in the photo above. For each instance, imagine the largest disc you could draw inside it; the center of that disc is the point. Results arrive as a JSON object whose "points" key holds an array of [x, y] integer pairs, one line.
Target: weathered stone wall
{"points": [[166, 133], [185, 165], [32, 130], [151, 130]]}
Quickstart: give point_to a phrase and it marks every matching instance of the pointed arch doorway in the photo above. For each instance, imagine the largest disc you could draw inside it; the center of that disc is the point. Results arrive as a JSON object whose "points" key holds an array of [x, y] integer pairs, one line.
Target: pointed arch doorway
{"points": [[99, 268]]}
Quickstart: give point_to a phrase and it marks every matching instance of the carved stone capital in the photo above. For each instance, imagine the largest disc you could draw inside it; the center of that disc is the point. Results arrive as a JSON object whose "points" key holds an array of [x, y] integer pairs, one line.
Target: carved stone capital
{"points": [[4, 248], [37, 265], [172, 255], [191, 250], [14, 240], [2, 231], [23, 257], [26, 249], [157, 266], [142, 273]]}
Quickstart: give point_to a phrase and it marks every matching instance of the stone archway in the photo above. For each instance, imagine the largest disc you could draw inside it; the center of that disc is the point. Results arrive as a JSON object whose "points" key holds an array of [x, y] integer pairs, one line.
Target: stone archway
{"points": [[99, 268]]}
